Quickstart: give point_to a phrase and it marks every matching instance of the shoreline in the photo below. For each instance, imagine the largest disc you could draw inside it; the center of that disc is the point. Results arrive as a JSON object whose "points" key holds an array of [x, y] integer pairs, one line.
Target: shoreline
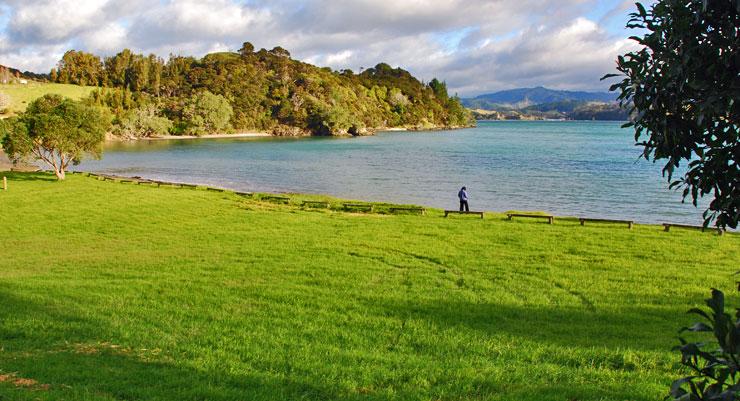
{"points": [[255, 134], [428, 207], [265, 134]]}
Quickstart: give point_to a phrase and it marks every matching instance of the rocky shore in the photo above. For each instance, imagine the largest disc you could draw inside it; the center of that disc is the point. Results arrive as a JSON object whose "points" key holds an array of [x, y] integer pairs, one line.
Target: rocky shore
{"points": [[285, 130], [289, 131]]}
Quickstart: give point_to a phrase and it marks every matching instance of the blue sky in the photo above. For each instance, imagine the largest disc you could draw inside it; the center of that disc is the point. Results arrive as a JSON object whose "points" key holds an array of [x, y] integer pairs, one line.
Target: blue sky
{"points": [[476, 46]]}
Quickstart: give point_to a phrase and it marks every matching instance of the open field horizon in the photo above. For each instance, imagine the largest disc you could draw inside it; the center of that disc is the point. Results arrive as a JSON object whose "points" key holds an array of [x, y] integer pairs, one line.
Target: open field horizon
{"points": [[21, 95]]}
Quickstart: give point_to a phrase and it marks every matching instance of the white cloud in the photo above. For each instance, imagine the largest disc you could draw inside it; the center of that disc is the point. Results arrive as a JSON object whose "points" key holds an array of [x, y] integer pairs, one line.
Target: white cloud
{"points": [[571, 56], [54, 21], [475, 45], [36, 59], [336, 60], [196, 20], [109, 38]]}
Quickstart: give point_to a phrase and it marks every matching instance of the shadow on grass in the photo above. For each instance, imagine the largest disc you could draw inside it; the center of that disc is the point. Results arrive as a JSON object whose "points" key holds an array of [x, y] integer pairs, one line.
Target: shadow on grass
{"points": [[67, 350], [75, 363], [28, 176], [636, 328]]}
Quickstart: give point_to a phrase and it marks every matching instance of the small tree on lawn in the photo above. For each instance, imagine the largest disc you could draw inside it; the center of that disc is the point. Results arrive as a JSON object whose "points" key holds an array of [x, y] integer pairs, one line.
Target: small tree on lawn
{"points": [[57, 131], [683, 91]]}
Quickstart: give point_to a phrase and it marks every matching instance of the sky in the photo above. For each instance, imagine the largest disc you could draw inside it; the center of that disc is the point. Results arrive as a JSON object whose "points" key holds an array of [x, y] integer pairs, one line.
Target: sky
{"points": [[476, 46]]}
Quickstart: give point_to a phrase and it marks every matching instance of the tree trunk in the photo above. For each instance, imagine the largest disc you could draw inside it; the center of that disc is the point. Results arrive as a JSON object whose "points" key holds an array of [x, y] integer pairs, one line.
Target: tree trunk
{"points": [[59, 173]]}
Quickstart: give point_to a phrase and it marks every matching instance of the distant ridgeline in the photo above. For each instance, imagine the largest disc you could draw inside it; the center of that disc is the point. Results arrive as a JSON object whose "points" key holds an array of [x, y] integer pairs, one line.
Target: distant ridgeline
{"points": [[542, 103], [11, 75], [263, 90]]}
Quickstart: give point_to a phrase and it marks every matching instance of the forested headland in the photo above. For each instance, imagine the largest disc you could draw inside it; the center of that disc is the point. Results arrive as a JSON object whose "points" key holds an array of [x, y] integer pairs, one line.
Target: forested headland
{"points": [[263, 90]]}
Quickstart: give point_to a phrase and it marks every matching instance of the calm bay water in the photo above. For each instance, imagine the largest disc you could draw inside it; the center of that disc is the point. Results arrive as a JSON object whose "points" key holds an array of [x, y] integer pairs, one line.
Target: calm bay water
{"points": [[567, 168]]}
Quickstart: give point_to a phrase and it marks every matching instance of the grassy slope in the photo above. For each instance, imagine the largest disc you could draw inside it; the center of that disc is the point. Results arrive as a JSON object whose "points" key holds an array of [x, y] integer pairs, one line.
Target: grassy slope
{"points": [[115, 291], [22, 95]]}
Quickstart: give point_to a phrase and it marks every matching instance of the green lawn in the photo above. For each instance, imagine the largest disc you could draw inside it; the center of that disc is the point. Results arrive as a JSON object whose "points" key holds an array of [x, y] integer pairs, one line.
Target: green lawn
{"points": [[22, 95], [112, 291]]}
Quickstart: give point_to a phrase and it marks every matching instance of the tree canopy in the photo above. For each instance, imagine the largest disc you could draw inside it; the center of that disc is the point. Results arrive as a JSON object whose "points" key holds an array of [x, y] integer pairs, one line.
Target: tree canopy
{"points": [[144, 121], [266, 90], [682, 88], [57, 131], [206, 113]]}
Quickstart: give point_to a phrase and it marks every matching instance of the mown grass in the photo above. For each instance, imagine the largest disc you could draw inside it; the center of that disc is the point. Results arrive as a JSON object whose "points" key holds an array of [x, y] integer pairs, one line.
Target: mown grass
{"points": [[21, 95], [113, 291]]}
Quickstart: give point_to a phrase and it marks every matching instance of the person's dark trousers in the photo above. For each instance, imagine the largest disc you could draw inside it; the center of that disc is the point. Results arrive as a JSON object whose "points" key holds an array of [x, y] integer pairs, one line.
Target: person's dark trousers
{"points": [[464, 204]]}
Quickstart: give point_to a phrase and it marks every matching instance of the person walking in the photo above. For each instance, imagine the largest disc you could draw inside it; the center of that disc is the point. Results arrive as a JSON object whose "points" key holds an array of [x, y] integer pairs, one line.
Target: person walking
{"points": [[463, 195]]}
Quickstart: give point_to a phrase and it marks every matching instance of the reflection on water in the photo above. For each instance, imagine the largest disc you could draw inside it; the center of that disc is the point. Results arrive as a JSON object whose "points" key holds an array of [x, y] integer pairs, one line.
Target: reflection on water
{"points": [[567, 168]]}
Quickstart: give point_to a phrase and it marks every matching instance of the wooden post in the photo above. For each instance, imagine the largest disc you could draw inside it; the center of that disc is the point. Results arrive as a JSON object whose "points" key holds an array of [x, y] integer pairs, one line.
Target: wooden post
{"points": [[5, 183]]}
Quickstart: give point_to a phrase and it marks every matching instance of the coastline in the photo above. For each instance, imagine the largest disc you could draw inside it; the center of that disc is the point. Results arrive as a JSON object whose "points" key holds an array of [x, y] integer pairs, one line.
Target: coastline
{"points": [[269, 165], [265, 134], [250, 193], [255, 134], [7, 165]]}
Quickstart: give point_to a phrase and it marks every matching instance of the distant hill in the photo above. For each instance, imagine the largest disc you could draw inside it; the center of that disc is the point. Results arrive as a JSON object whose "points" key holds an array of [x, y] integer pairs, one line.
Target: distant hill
{"points": [[524, 97], [543, 103], [11, 75]]}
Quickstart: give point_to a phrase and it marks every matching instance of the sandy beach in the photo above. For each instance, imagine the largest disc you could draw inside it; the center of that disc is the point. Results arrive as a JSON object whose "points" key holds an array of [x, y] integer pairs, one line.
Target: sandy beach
{"points": [[212, 136]]}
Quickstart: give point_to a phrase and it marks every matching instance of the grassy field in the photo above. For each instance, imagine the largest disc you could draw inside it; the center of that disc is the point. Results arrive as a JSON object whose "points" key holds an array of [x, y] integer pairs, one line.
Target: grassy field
{"points": [[112, 291], [21, 95]]}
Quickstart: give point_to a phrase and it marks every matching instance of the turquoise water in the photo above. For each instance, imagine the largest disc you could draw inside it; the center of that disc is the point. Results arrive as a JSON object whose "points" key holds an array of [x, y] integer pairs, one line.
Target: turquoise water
{"points": [[567, 168]]}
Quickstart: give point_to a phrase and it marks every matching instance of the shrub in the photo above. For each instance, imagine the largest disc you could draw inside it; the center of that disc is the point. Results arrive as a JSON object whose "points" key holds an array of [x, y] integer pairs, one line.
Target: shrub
{"points": [[206, 113], [142, 122], [713, 364]]}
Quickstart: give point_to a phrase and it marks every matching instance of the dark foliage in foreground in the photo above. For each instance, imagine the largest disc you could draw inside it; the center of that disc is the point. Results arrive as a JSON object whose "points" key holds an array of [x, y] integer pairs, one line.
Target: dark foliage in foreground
{"points": [[713, 365], [683, 88]]}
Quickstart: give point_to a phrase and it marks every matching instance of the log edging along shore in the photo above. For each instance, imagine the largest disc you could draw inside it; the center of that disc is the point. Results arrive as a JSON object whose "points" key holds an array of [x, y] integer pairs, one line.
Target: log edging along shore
{"points": [[271, 197]]}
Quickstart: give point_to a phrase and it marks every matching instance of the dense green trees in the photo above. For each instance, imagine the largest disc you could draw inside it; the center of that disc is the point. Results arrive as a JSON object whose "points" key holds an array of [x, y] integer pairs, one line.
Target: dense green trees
{"points": [[206, 113], [439, 89], [144, 121], [683, 87], [55, 130], [266, 90], [80, 68]]}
